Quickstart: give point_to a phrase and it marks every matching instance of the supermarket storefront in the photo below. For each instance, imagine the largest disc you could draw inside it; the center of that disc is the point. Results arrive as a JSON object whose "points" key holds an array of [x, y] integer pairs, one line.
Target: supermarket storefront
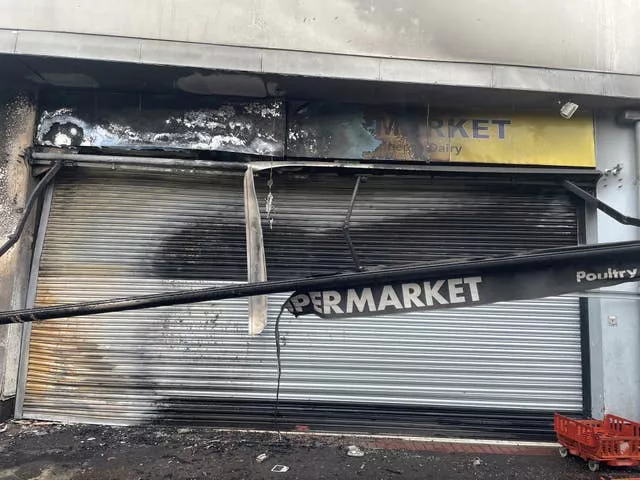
{"points": [[498, 370]]}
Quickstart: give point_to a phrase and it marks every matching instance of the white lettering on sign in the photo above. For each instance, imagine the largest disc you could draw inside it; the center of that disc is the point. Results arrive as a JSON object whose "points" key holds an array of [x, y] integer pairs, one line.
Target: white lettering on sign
{"points": [[316, 299], [362, 302], [432, 293], [331, 300], [411, 295], [389, 299], [609, 274], [473, 287], [456, 292], [405, 296]]}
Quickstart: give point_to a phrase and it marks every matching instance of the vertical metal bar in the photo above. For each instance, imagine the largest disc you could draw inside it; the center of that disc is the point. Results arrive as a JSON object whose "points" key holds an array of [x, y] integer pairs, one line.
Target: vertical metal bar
{"points": [[582, 212], [347, 221], [31, 300]]}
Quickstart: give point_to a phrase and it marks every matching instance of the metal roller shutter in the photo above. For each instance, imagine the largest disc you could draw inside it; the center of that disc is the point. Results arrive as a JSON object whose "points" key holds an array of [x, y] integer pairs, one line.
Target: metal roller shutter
{"points": [[113, 235]]}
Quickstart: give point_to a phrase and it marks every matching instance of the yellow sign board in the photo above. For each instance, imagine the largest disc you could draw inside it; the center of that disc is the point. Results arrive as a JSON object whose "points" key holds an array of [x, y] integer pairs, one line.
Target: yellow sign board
{"points": [[509, 138], [523, 139]]}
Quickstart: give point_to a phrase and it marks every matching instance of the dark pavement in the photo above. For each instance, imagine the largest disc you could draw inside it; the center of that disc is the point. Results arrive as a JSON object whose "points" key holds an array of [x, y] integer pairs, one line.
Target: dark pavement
{"points": [[47, 451]]}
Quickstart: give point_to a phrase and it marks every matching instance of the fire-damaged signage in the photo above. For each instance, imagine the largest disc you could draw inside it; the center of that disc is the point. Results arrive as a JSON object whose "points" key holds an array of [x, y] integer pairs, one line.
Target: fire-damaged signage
{"points": [[474, 288], [419, 134], [247, 127]]}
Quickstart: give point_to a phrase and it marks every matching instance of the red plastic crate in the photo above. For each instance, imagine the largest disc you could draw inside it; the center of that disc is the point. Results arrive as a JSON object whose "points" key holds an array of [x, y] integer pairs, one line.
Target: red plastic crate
{"points": [[619, 478], [614, 440]]}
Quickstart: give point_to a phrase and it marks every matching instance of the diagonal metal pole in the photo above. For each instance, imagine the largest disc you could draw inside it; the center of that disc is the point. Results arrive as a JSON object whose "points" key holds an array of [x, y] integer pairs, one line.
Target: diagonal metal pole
{"points": [[346, 224], [538, 259], [600, 205]]}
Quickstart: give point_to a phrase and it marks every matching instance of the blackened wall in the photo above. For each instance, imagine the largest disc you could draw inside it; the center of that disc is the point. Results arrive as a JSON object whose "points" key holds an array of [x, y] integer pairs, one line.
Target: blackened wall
{"points": [[17, 119]]}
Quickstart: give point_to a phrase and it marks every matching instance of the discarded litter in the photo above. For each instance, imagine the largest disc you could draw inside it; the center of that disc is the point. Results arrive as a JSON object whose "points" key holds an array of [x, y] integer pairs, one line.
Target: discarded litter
{"points": [[354, 451], [3, 428], [280, 468], [394, 470], [262, 457], [477, 462]]}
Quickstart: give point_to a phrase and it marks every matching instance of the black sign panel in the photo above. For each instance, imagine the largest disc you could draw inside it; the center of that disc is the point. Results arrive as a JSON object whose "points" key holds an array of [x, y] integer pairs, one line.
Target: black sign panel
{"points": [[472, 288], [410, 287]]}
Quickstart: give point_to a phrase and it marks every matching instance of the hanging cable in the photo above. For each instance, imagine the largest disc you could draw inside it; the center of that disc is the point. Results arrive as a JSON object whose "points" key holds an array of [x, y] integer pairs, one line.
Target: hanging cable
{"points": [[32, 200], [276, 405]]}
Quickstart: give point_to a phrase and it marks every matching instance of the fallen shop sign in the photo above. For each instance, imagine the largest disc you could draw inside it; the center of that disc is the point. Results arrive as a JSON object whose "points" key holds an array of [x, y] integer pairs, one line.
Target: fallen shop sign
{"points": [[482, 287], [536, 274]]}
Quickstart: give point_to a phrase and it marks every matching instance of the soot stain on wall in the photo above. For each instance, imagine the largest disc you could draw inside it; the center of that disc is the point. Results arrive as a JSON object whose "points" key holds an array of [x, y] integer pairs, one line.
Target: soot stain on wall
{"points": [[247, 127]]}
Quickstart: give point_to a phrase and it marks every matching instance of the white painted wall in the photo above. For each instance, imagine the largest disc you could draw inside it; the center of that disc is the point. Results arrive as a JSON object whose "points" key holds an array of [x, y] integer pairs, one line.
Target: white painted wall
{"points": [[592, 35], [615, 349]]}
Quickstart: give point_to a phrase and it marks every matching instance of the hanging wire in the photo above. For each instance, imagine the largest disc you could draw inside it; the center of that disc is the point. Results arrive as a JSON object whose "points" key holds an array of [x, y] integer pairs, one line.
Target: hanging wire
{"points": [[276, 405], [276, 329]]}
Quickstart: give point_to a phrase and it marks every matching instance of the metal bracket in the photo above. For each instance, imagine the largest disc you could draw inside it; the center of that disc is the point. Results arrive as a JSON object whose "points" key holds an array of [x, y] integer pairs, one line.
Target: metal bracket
{"points": [[603, 207], [345, 226]]}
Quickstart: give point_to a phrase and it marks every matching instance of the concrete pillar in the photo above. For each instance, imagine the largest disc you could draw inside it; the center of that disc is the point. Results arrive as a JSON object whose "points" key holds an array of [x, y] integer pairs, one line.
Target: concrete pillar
{"points": [[615, 323], [17, 122]]}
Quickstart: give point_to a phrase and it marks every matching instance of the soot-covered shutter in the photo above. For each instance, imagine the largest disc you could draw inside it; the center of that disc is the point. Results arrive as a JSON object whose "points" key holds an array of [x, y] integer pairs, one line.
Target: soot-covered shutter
{"points": [[114, 235]]}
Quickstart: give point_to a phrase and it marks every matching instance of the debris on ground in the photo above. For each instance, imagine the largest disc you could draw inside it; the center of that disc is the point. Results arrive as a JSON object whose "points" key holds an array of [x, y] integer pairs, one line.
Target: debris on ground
{"points": [[30, 450], [262, 457], [394, 470], [354, 451], [476, 462], [280, 468]]}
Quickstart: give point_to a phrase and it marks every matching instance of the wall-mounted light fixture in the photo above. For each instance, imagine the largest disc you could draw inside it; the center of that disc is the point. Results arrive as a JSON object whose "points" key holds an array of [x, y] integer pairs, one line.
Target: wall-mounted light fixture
{"points": [[568, 109]]}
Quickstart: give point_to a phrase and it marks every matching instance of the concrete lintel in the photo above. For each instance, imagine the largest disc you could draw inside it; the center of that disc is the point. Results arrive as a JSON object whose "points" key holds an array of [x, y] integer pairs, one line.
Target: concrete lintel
{"points": [[548, 80], [322, 65], [77, 45], [436, 73], [219, 57], [8, 40]]}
